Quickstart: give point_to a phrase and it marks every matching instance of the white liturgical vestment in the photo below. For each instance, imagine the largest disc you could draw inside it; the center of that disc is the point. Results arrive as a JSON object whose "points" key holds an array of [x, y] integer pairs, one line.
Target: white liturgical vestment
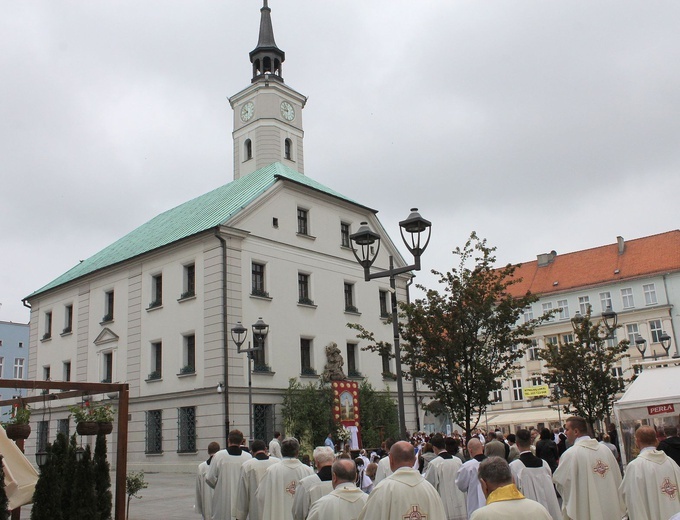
{"points": [[311, 489], [275, 449], [345, 502], [404, 494], [441, 473], [651, 486], [204, 492], [507, 503], [384, 470], [252, 472], [223, 476], [468, 482], [536, 484], [277, 488], [588, 478]]}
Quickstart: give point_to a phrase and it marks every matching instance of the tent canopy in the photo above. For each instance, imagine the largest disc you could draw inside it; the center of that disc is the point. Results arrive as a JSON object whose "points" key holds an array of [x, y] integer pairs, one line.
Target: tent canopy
{"points": [[655, 393]]}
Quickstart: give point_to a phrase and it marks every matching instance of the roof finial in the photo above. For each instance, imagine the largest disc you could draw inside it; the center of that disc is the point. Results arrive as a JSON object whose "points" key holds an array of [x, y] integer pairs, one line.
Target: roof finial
{"points": [[265, 3]]}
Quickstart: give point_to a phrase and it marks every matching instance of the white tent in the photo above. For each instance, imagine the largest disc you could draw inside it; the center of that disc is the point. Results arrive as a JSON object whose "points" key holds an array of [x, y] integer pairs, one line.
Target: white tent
{"points": [[20, 475], [653, 398]]}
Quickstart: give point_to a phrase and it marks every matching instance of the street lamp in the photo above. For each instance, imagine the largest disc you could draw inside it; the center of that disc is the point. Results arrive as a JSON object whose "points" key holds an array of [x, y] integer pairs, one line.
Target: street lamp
{"points": [[641, 345], [238, 335], [665, 340], [367, 242]]}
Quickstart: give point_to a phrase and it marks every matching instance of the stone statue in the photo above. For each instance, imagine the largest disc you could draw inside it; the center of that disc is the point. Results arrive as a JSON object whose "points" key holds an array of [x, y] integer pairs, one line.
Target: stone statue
{"points": [[333, 370]]}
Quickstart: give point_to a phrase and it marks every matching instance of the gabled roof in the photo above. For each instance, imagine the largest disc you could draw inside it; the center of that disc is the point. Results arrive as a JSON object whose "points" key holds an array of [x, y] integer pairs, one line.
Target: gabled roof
{"points": [[647, 256], [207, 211]]}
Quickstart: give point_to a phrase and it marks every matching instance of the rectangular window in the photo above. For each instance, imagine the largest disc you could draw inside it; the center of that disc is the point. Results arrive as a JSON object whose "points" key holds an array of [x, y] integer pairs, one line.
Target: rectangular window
{"points": [[497, 396], [611, 340], [257, 278], [352, 370], [384, 308], [43, 435], [551, 340], [627, 298], [156, 360], [156, 291], [189, 281], [385, 359], [606, 300], [617, 372], [186, 429], [528, 314], [306, 357], [655, 330], [650, 294], [632, 332], [344, 235], [303, 289], [584, 305], [19, 368], [259, 359], [154, 431], [46, 373], [349, 298], [564, 309], [67, 371], [68, 319], [303, 221], [63, 427], [107, 367], [567, 338], [536, 380], [108, 306], [48, 325], [189, 354], [517, 392], [532, 351], [547, 307]]}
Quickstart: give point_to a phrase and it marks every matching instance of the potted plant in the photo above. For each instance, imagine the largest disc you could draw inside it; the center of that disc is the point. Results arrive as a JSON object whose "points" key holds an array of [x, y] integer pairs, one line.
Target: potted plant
{"points": [[91, 420], [104, 414], [17, 427]]}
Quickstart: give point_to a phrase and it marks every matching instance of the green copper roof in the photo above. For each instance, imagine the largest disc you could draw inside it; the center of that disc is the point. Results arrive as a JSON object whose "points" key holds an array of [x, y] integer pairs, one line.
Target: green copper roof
{"points": [[200, 214]]}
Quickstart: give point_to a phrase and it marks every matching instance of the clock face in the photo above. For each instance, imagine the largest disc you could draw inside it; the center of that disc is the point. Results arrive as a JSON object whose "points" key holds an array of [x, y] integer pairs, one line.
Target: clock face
{"points": [[247, 111], [287, 111]]}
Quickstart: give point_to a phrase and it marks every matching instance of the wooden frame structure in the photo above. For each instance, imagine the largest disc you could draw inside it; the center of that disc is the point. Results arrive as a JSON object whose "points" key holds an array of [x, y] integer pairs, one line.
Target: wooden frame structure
{"points": [[73, 389]]}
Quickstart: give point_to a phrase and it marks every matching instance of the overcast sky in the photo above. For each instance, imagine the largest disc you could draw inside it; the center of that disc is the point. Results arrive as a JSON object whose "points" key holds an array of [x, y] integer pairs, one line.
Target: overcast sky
{"points": [[540, 124]]}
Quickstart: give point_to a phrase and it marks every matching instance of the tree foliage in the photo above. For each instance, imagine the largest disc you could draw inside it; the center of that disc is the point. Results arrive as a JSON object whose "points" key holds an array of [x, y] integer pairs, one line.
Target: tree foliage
{"points": [[48, 489], [582, 371], [377, 415], [102, 475], [464, 342], [308, 413]]}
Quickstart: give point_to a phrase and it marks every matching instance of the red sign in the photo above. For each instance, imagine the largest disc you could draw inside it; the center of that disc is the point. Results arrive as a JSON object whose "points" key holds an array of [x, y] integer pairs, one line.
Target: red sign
{"points": [[660, 408]]}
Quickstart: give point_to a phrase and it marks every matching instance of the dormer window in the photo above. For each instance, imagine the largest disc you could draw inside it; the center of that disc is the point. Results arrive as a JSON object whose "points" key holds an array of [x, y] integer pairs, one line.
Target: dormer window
{"points": [[248, 149], [287, 145]]}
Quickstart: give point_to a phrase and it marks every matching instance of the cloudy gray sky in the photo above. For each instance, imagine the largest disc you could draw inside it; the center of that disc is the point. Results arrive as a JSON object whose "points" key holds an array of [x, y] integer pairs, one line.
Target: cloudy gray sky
{"points": [[540, 124]]}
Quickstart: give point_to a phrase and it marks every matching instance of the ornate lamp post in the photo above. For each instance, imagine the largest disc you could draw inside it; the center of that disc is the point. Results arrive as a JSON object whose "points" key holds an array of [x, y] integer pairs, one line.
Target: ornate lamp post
{"points": [[641, 345], [367, 242], [238, 335], [665, 340]]}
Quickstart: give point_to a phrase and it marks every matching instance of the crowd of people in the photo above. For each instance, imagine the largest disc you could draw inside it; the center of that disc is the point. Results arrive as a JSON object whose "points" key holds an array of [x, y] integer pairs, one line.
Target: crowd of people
{"points": [[530, 474]]}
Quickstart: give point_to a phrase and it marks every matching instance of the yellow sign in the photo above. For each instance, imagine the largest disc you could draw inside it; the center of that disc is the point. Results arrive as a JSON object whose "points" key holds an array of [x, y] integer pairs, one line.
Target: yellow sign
{"points": [[537, 391]]}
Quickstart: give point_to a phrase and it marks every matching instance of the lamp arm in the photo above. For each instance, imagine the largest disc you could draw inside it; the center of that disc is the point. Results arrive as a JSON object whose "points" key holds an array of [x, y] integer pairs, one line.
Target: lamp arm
{"points": [[392, 272]]}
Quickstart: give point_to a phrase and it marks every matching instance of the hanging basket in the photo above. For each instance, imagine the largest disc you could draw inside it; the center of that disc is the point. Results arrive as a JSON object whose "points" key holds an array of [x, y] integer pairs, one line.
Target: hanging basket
{"points": [[87, 428], [18, 431], [105, 428]]}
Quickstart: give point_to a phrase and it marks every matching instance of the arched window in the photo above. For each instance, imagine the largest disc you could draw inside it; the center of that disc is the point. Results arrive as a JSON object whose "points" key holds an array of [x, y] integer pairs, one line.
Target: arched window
{"points": [[287, 149], [267, 64], [248, 149]]}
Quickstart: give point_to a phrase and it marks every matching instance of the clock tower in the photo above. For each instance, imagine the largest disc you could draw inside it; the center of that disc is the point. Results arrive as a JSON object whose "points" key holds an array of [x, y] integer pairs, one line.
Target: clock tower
{"points": [[267, 113]]}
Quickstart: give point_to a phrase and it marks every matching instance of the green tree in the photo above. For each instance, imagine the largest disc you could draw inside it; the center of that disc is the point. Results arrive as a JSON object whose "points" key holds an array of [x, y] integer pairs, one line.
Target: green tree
{"points": [[307, 413], [84, 496], [464, 342], [102, 477], [48, 490], [134, 483], [377, 415], [581, 370]]}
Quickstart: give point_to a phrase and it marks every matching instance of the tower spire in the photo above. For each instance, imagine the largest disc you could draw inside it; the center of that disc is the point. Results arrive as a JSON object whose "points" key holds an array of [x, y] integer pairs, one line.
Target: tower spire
{"points": [[266, 57]]}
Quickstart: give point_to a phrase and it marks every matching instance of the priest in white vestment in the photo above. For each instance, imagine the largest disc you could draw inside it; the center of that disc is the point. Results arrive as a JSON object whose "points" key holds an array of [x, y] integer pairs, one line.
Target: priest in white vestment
{"points": [[588, 477], [467, 480], [346, 500], [224, 475], [275, 446], [384, 469], [276, 491], [503, 499], [651, 486], [441, 473], [204, 493], [533, 476], [252, 472], [315, 486], [405, 493]]}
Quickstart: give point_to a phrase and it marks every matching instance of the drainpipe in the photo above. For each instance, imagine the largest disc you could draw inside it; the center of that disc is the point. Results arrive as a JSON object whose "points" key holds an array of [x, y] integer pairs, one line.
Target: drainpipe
{"points": [[670, 314], [415, 382], [225, 335]]}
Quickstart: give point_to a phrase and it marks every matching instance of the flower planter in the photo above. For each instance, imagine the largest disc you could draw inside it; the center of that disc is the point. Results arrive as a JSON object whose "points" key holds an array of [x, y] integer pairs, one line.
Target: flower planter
{"points": [[18, 431], [87, 428], [105, 428]]}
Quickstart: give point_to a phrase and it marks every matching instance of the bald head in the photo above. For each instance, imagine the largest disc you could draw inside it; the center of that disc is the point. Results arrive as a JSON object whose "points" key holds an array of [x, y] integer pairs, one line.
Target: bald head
{"points": [[645, 437], [402, 455], [343, 470], [475, 447]]}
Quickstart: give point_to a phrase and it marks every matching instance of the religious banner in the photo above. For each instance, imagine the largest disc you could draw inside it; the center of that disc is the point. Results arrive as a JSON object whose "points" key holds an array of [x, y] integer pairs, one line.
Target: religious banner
{"points": [[346, 406]]}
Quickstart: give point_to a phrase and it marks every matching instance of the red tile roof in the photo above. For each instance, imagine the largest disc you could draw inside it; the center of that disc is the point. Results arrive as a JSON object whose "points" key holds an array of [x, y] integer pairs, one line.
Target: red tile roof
{"points": [[647, 256]]}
